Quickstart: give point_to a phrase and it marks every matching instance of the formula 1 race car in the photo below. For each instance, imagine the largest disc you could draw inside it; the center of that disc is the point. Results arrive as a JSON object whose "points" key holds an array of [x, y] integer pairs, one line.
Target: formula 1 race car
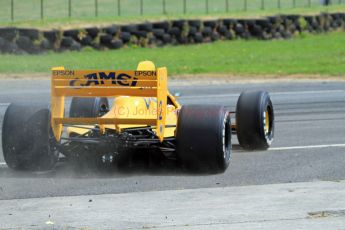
{"points": [[143, 117]]}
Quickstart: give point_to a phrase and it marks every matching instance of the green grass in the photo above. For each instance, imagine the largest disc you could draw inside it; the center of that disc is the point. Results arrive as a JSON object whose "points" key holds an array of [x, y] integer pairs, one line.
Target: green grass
{"points": [[27, 12], [308, 54]]}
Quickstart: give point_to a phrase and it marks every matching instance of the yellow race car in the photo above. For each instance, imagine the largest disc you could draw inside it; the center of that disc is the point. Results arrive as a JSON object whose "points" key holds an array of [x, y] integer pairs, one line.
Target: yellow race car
{"points": [[142, 118]]}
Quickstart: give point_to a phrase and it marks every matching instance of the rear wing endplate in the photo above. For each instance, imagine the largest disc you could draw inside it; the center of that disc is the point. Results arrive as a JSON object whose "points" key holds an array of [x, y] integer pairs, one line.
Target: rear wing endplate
{"points": [[107, 83]]}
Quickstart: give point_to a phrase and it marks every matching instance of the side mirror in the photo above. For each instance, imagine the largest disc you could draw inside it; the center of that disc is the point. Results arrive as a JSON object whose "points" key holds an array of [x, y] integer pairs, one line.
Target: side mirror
{"points": [[177, 94]]}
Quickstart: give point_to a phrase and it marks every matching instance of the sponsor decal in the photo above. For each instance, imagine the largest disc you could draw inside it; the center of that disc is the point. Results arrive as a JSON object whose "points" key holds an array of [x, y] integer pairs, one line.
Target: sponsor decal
{"points": [[63, 72], [160, 117], [145, 73], [148, 101], [121, 79]]}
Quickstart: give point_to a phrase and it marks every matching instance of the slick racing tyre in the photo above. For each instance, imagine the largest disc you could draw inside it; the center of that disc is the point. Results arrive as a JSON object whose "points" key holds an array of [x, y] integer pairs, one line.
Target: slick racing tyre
{"points": [[204, 138], [88, 107], [255, 120], [27, 139]]}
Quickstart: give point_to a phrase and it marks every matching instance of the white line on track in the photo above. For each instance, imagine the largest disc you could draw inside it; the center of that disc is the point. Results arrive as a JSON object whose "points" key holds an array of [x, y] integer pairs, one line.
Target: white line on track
{"points": [[274, 93], [306, 147], [309, 92], [5, 104], [2, 163]]}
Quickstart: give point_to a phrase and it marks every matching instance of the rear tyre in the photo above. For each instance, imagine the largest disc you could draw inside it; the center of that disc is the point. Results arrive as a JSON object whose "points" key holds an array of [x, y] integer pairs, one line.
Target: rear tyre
{"points": [[27, 139], [88, 107], [255, 120], [204, 138]]}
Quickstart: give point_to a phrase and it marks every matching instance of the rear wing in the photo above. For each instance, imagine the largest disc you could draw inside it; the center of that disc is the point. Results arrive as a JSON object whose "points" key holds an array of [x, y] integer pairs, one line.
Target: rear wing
{"points": [[107, 83]]}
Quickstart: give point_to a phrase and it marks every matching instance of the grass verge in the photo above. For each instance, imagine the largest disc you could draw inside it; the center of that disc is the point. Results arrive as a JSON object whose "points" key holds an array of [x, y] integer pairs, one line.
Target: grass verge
{"points": [[306, 54]]}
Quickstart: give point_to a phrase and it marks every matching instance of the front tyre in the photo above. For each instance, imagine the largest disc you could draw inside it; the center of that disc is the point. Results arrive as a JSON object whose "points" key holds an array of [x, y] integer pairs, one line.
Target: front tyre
{"points": [[203, 138], [27, 139], [255, 120], [88, 106], [82, 107]]}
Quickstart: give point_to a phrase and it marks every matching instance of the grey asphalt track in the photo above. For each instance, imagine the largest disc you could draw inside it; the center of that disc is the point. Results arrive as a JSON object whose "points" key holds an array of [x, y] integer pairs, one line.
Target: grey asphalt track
{"points": [[308, 114]]}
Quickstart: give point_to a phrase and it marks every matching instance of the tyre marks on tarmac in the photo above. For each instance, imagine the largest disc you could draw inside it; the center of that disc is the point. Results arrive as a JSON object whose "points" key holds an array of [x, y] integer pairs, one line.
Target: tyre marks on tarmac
{"points": [[3, 164]]}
